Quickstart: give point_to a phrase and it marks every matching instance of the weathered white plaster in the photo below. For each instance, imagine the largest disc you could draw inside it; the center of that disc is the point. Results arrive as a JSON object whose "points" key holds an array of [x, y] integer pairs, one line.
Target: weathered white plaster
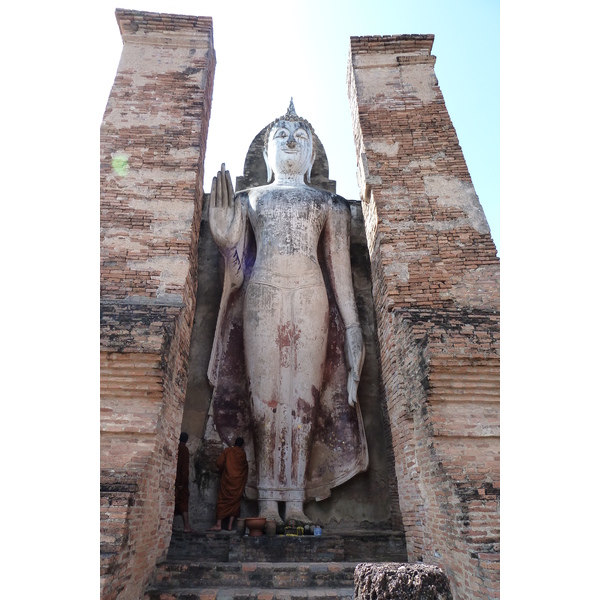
{"points": [[451, 191], [419, 80], [183, 38], [384, 60], [141, 180], [446, 225], [373, 83], [384, 147], [175, 209], [477, 288], [394, 191], [139, 66], [183, 154], [397, 270], [173, 269], [419, 164], [119, 243]]}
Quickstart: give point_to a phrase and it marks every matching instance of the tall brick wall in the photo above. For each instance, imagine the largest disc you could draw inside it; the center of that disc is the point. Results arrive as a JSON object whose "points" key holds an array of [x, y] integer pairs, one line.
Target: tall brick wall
{"points": [[436, 293], [153, 140]]}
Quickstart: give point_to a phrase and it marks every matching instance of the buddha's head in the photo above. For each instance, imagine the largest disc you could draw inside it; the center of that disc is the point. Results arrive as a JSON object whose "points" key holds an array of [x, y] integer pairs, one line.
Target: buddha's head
{"points": [[289, 148]]}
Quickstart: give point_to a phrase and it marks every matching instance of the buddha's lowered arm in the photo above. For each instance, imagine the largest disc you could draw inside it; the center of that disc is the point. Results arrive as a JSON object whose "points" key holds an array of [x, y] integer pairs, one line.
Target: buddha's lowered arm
{"points": [[336, 240]]}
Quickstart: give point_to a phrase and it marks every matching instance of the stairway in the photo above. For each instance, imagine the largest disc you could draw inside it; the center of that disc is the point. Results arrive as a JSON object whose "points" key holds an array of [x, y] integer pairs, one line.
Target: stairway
{"points": [[225, 566]]}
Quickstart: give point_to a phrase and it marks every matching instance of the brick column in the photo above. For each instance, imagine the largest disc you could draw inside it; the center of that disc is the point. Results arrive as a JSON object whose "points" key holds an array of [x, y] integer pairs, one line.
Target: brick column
{"points": [[153, 140], [436, 293]]}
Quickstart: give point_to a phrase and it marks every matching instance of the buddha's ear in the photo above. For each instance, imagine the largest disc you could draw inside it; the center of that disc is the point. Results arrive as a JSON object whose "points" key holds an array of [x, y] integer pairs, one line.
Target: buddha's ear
{"points": [[312, 162], [269, 172]]}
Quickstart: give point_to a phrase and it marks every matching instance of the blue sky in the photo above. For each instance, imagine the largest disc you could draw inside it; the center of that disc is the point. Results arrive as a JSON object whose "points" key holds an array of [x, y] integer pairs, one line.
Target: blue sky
{"points": [[268, 51]]}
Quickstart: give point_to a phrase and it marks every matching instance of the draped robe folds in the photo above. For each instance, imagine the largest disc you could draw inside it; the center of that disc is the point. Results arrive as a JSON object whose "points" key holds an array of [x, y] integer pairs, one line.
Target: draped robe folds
{"points": [[338, 446], [182, 480], [234, 472]]}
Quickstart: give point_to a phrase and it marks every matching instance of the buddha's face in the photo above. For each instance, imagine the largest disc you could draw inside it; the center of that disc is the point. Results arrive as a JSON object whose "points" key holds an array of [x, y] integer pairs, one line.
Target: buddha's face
{"points": [[290, 148]]}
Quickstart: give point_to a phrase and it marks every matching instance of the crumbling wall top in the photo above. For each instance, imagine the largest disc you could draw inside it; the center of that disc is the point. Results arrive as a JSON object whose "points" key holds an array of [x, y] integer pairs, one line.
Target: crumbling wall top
{"points": [[164, 29], [405, 43]]}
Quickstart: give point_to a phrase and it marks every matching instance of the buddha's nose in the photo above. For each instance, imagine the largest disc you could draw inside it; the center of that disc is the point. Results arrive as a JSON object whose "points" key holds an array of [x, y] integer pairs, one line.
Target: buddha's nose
{"points": [[291, 142]]}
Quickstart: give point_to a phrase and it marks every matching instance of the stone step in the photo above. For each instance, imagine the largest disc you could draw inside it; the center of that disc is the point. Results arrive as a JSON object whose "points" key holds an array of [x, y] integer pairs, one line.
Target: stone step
{"points": [[268, 575], [344, 593], [211, 547], [359, 546]]}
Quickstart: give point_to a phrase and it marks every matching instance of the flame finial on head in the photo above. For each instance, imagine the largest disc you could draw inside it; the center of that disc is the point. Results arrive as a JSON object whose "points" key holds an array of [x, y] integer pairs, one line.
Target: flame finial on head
{"points": [[291, 111]]}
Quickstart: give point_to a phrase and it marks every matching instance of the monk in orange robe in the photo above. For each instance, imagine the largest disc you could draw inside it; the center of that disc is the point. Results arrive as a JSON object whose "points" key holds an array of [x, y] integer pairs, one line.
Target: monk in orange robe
{"points": [[233, 466], [182, 480]]}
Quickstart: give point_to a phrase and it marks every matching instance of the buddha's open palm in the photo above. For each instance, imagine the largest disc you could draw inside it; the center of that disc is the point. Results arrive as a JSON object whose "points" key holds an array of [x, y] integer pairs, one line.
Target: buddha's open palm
{"points": [[224, 212]]}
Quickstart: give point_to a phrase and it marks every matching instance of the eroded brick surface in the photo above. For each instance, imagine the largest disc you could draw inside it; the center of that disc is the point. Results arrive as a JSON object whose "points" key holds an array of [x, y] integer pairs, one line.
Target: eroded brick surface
{"points": [[153, 139], [436, 293]]}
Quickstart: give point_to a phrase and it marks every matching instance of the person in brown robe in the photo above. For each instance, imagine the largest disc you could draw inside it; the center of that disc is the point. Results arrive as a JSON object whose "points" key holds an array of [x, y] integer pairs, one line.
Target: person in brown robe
{"points": [[182, 480], [233, 466]]}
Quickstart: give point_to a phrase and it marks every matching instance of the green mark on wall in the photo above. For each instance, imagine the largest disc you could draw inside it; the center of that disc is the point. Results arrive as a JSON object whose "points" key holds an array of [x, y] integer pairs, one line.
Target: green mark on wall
{"points": [[120, 164]]}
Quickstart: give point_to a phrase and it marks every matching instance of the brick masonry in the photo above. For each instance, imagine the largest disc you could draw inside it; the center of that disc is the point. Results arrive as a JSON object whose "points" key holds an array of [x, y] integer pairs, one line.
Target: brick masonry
{"points": [[436, 293], [152, 146]]}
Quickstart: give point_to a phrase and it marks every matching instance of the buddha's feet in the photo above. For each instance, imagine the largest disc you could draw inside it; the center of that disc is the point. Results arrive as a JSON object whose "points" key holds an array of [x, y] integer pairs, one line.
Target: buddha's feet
{"points": [[268, 510], [271, 516], [296, 514]]}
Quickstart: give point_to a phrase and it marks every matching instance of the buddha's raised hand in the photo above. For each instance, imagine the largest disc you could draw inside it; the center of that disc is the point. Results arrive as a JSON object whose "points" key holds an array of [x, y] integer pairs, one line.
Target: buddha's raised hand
{"points": [[224, 212]]}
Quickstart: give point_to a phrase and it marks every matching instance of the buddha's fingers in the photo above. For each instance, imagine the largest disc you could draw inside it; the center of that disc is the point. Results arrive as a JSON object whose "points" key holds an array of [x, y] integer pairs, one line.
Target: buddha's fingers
{"points": [[231, 193]]}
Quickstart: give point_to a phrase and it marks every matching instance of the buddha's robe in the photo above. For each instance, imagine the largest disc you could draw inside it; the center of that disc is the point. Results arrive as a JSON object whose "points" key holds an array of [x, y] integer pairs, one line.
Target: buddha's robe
{"points": [[338, 447], [234, 472]]}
